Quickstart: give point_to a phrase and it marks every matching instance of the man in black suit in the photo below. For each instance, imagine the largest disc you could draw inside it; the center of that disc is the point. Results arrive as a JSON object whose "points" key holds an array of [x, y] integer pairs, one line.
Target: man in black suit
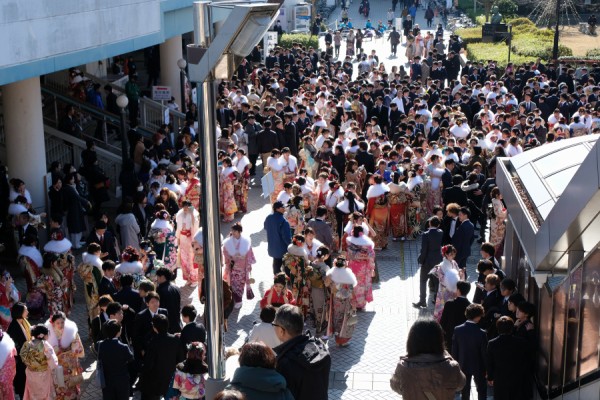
{"points": [[431, 255], [469, 347], [364, 158], [25, 229], [382, 113], [127, 295], [97, 323], [170, 298], [106, 285], [453, 314], [485, 267], [447, 174], [162, 355], [506, 362], [192, 331], [105, 239], [125, 316], [143, 324], [450, 223], [455, 194], [143, 212], [225, 115], [463, 238], [491, 303], [115, 357]]}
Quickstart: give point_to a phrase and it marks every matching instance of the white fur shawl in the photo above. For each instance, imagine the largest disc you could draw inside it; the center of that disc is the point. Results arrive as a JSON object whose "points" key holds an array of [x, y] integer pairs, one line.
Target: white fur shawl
{"points": [[7, 346], [377, 190], [33, 253], [343, 276], [451, 276], [128, 267], [92, 259], [297, 251], [230, 245], [413, 182], [161, 224], [68, 336], [58, 246], [344, 206], [363, 240]]}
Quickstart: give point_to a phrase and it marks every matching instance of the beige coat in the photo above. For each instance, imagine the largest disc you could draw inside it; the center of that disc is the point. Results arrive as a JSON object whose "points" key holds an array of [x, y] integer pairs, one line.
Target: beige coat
{"points": [[428, 377]]}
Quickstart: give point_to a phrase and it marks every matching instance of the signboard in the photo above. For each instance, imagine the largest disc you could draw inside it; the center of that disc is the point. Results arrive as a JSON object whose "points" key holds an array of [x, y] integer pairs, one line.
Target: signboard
{"points": [[268, 184], [302, 18], [269, 43], [160, 93]]}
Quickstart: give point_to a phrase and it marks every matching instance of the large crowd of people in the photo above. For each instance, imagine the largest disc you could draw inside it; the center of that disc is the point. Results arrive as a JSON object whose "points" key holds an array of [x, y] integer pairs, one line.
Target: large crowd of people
{"points": [[357, 156]]}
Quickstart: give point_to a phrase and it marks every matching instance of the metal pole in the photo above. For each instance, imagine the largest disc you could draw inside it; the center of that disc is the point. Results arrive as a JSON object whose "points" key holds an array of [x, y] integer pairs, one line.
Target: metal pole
{"points": [[556, 31], [211, 227], [182, 90], [124, 152], [509, 40]]}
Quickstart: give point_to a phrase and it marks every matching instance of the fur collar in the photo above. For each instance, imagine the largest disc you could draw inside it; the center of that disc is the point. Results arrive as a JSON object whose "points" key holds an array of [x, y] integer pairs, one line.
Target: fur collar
{"points": [[58, 246], [344, 206], [297, 251], [398, 188], [92, 259], [129, 267], [241, 163], [161, 224], [343, 276], [377, 190], [363, 240], [33, 253], [451, 276], [7, 347], [231, 243], [228, 171], [413, 182], [68, 336]]}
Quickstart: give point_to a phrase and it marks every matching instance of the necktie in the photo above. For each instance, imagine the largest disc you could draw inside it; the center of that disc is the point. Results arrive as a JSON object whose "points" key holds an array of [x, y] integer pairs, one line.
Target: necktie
{"points": [[452, 227], [102, 240]]}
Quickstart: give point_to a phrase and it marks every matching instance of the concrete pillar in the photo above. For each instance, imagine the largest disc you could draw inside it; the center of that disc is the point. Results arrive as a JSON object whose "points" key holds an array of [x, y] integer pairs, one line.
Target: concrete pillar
{"points": [[24, 130], [170, 53]]}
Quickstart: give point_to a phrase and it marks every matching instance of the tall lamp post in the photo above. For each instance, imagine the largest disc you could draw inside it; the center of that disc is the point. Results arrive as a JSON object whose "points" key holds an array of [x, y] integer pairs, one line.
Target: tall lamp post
{"points": [[219, 48], [123, 102], [181, 63]]}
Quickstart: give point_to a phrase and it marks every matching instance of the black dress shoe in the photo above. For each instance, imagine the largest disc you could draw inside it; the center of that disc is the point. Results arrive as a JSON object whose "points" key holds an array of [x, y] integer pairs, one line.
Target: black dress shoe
{"points": [[420, 304]]}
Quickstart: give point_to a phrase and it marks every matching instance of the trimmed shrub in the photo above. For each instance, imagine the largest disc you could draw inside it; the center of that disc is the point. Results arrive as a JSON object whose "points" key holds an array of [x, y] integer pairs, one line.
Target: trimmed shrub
{"points": [[304, 39], [593, 53], [498, 52], [469, 35]]}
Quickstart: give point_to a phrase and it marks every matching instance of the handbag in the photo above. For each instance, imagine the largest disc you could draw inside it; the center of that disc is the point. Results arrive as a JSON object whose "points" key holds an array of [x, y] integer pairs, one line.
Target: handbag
{"points": [[100, 380], [58, 375], [352, 320]]}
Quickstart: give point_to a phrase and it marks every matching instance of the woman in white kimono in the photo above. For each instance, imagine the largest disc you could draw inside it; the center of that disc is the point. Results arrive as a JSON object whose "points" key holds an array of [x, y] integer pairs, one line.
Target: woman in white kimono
{"points": [[237, 251]]}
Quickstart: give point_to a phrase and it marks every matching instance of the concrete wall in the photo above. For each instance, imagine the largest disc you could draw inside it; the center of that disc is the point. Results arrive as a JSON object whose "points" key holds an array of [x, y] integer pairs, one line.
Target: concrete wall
{"points": [[37, 29]]}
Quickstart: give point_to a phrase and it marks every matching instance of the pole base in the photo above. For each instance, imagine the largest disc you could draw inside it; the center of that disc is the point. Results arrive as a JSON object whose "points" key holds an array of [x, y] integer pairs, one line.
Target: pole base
{"points": [[214, 386]]}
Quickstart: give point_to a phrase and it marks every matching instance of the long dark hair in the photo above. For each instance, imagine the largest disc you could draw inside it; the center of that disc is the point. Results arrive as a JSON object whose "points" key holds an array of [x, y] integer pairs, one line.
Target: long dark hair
{"points": [[425, 337]]}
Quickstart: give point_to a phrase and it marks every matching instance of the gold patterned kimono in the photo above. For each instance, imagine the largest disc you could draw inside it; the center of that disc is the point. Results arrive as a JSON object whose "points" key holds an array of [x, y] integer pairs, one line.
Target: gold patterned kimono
{"points": [[40, 360]]}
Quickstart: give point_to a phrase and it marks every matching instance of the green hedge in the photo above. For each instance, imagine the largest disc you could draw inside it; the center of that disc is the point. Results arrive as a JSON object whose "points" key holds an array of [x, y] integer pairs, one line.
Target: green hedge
{"points": [[304, 39], [532, 45], [470, 35], [499, 52], [593, 53]]}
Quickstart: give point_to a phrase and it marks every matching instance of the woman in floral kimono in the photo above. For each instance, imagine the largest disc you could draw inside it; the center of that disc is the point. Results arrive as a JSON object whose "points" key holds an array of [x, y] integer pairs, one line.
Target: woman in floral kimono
{"points": [[8, 366], [198, 249], [295, 262], [237, 251], [414, 185], [61, 246], [435, 171], [342, 306], [40, 359], [229, 175], [64, 338], [295, 215], [356, 175], [188, 381], [318, 293], [90, 271], [192, 190], [52, 283], [361, 260], [278, 294], [162, 237], [378, 210], [275, 166], [497, 226], [242, 164], [30, 261], [333, 197], [449, 274], [400, 198], [187, 220], [131, 265], [307, 156]]}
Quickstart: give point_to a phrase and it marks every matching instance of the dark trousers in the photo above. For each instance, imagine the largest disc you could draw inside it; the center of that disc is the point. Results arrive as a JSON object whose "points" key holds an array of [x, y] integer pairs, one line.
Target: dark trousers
{"points": [[423, 277], [394, 48], [277, 263], [253, 158], [133, 108], [481, 384], [117, 392]]}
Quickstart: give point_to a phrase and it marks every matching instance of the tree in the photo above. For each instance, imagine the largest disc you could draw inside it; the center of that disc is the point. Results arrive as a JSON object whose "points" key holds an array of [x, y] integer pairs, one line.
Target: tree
{"points": [[507, 8]]}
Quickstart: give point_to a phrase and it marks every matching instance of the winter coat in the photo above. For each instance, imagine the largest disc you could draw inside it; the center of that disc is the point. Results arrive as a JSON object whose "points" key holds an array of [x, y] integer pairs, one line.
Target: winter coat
{"points": [[129, 229], [428, 376], [260, 384]]}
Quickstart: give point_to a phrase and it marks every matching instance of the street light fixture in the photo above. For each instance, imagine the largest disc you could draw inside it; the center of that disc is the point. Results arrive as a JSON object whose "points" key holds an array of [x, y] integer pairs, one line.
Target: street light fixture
{"points": [[181, 63], [123, 102], [215, 56]]}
